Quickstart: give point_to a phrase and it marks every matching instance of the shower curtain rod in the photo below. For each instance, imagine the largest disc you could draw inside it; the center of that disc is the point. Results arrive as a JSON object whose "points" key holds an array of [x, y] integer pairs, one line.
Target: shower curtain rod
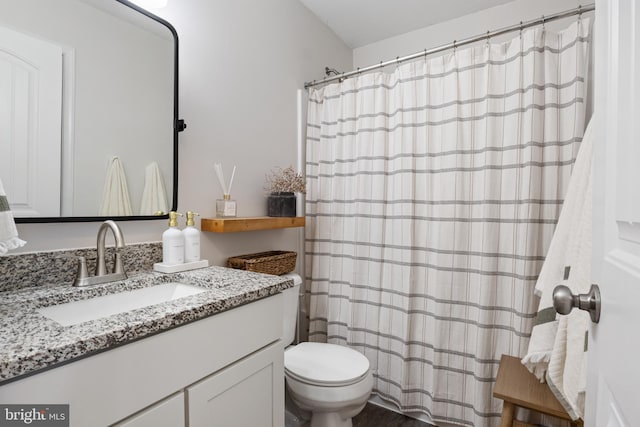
{"points": [[457, 43]]}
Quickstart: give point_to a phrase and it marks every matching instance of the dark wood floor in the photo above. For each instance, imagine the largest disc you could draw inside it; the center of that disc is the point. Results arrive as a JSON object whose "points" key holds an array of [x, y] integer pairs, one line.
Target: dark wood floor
{"points": [[376, 416]]}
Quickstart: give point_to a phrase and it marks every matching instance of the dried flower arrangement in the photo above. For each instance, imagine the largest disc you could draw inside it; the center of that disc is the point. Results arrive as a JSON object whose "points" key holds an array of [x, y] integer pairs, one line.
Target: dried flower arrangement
{"points": [[285, 181]]}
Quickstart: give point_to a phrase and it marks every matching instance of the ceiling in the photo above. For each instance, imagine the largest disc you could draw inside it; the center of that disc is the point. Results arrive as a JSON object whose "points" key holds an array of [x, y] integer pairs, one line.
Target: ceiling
{"points": [[361, 22]]}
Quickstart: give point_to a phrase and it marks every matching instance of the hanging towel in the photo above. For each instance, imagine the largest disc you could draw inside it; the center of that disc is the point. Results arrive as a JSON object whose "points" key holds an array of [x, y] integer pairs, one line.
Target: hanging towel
{"points": [[115, 197], [557, 349], [154, 196], [8, 233]]}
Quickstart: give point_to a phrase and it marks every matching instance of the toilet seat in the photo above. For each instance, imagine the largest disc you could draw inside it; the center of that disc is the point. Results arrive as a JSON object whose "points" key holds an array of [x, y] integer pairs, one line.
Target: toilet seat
{"points": [[327, 365]]}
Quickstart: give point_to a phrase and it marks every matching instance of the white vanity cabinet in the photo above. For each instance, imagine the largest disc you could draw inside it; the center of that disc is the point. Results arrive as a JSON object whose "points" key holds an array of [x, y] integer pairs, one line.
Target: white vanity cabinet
{"points": [[225, 370]]}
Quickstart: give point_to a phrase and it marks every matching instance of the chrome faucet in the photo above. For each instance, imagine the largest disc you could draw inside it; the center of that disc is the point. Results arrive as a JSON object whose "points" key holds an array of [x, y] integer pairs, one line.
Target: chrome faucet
{"points": [[101, 276], [101, 268]]}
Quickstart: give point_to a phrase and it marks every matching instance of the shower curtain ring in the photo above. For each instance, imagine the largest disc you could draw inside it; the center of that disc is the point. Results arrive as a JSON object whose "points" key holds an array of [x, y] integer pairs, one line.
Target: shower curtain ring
{"points": [[543, 23], [521, 28]]}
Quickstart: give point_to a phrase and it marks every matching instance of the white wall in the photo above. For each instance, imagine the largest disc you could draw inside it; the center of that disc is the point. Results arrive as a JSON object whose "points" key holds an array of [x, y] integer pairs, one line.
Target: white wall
{"points": [[466, 26], [241, 62]]}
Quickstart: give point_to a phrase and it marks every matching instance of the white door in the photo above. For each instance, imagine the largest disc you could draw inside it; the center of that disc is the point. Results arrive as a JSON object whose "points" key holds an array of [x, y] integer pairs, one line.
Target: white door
{"points": [[613, 392], [30, 123]]}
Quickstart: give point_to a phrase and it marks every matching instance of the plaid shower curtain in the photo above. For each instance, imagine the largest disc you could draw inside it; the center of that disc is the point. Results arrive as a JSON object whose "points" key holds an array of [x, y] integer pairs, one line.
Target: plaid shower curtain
{"points": [[433, 193]]}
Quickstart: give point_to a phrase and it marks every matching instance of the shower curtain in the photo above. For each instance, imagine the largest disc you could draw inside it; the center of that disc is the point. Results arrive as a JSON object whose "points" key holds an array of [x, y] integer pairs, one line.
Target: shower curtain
{"points": [[433, 193]]}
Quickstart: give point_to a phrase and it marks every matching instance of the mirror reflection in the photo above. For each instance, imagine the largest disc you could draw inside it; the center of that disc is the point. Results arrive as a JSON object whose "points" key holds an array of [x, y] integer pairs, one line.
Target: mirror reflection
{"points": [[87, 109]]}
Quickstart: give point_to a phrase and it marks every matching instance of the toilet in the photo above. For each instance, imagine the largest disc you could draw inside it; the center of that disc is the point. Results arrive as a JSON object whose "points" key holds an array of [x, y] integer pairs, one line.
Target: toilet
{"points": [[329, 383]]}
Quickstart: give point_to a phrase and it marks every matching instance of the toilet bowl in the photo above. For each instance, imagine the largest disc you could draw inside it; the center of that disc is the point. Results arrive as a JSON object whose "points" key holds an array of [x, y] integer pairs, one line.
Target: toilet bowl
{"points": [[328, 382], [331, 382]]}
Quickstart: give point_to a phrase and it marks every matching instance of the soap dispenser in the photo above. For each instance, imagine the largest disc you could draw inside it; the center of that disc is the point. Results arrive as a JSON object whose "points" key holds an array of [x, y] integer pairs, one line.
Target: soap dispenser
{"points": [[191, 239], [173, 242]]}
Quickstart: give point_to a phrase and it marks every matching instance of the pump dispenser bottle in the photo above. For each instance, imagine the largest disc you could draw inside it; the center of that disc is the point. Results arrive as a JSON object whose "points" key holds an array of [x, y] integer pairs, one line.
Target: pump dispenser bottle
{"points": [[191, 239], [173, 242]]}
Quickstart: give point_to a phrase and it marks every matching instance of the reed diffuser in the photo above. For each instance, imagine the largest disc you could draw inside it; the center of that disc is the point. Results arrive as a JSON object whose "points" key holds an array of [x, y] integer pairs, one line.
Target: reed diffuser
{"points": [[225, 207]]}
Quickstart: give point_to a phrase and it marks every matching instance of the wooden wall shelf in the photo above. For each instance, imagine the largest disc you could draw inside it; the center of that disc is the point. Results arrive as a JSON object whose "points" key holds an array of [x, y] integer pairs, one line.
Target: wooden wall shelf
{"points": [[232, 225]]}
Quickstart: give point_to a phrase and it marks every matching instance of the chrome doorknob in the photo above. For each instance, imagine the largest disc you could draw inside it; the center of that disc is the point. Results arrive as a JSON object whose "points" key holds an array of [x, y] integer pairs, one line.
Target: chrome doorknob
{"points": [[564, 301]]}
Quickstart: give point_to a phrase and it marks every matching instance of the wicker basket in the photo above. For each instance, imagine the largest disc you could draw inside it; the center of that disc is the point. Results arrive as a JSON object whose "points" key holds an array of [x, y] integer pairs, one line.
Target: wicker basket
{"points": [[272, 262]]}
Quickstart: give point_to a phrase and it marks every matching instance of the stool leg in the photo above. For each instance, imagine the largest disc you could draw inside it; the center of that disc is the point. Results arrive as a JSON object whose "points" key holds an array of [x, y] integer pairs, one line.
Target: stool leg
{"points": [[508, 410]]}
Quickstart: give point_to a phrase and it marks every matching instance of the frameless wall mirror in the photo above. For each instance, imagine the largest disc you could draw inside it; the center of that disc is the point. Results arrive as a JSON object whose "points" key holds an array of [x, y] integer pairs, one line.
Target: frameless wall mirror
{"points": [[89, 110]]}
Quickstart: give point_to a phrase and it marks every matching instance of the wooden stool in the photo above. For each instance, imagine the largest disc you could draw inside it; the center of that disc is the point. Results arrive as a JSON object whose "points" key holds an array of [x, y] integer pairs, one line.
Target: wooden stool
{"points": [[516, 386]]}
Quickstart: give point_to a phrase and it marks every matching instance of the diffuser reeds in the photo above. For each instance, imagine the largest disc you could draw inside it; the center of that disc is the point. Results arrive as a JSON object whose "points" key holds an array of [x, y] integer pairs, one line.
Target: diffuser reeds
{"points": [[226, 191]]}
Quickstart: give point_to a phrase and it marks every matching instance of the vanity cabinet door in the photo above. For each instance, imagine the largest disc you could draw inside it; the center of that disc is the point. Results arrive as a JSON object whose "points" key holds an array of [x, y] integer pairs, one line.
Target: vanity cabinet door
{"points": [[249, 392], [168, 412]]}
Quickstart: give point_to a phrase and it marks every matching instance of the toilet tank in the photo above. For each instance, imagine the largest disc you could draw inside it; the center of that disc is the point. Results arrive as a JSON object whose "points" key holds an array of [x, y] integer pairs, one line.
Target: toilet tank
{"points": [[290, 318]]}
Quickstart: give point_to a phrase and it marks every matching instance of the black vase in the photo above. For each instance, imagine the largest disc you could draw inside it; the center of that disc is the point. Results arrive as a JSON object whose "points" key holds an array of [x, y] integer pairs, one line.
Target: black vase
{"points": [[281, 204]]}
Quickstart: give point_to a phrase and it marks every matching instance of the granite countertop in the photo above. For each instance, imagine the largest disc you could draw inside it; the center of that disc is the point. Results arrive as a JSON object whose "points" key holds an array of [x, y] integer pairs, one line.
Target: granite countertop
{"points": [[31, 342]]}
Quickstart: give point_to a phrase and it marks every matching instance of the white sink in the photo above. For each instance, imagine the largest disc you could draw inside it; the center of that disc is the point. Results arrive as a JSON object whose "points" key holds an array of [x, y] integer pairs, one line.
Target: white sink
{"points": [[76, 312]]}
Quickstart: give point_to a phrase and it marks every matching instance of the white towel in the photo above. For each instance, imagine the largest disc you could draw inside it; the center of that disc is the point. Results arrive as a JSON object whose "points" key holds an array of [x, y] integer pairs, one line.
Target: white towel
{"points": [[8, 233], [154, 196], [557, 349], [115, 197]]}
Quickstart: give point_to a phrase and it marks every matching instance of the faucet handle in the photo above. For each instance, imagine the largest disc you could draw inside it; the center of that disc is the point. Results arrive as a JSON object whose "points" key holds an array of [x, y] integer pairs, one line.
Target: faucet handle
{"points": [[82, 273]]}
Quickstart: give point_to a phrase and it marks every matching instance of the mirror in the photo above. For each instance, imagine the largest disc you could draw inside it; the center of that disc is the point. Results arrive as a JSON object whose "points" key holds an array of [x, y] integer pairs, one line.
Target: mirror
{"points": [[90, 113]]}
